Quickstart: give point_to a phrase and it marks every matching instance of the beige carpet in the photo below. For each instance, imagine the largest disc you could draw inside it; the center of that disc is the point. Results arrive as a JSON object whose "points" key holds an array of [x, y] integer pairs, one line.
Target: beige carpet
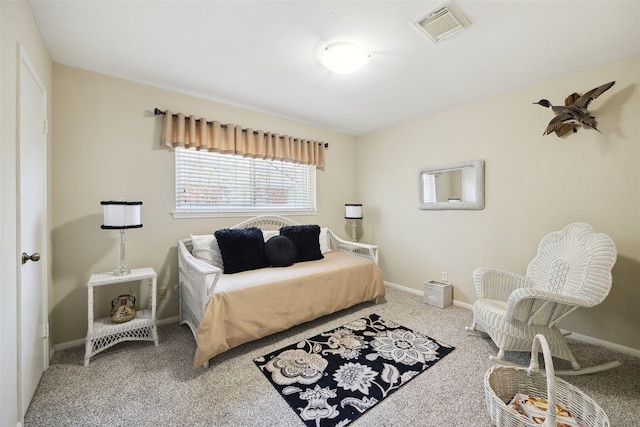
{"points": [[138, 384]]}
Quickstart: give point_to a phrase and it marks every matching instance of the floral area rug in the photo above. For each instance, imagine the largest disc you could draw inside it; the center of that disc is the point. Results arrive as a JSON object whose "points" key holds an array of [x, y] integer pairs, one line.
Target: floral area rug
{"points": [[334, 377]]}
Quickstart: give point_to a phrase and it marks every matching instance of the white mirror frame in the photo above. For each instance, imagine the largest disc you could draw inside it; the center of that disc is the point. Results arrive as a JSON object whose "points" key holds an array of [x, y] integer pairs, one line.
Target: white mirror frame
{"points": [[478, 166]]}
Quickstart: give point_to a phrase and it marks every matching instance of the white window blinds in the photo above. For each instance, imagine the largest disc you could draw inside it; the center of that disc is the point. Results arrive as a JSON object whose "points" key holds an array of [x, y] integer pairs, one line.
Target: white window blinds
{"points": [[213, 182]]}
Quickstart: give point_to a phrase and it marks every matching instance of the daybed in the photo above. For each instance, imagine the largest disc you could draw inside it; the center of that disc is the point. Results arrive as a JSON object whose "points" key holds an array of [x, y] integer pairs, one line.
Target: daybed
{"points": [[227, 310]]}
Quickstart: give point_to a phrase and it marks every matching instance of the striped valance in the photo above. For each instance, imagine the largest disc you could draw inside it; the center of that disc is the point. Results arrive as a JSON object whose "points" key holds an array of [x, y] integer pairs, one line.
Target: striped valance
{"points": [[179, 130]]}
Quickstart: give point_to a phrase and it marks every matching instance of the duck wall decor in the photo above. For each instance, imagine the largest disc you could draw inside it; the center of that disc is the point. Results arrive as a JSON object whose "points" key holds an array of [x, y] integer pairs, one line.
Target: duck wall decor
{"points": [[574, 113]]}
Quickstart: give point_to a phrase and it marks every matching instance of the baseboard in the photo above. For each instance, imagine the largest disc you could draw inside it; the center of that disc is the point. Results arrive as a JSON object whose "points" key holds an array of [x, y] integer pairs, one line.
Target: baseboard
{"points": [[421, 293], [403, 288], [606, 344], [573, 335], [68, 344], [81, 341]]}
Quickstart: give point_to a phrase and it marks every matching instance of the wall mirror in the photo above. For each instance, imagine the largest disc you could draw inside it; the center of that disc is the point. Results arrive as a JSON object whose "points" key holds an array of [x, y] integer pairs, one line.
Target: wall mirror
{"points": [[454, 186]]}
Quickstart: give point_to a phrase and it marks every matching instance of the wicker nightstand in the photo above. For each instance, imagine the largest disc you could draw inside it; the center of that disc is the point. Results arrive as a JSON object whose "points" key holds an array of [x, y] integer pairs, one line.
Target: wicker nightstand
{"points": [[103, 333]]}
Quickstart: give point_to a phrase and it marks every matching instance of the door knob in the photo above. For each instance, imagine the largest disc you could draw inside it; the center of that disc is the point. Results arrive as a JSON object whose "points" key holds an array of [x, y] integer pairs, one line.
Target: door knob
{"points": [[35, 257]]}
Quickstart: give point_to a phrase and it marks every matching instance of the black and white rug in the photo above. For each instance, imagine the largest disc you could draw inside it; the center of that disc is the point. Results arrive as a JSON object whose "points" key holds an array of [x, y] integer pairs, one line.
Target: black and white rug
{"points": [[334, 377]]}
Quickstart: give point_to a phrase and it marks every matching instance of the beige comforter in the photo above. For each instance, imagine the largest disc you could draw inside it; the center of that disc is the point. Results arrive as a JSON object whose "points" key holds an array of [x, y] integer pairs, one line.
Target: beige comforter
{"points": [[253, 304]]}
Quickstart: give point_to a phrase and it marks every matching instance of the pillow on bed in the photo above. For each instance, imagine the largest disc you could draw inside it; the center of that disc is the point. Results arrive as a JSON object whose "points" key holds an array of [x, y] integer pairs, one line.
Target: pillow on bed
{"points": [[324, 238], [324, 241], [307, 241], [242, 249], [205, 248], [280, 251]]}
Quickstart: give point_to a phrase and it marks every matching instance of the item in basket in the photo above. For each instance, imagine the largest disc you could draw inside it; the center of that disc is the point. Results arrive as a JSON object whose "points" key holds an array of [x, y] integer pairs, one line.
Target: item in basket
{"points": [[536, 410], [513, 404]]}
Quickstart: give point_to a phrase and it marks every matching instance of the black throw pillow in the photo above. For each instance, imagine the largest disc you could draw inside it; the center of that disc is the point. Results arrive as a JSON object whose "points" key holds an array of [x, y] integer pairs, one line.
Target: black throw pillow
{"points": [[241, 249], [307, 241], [280, 251]]}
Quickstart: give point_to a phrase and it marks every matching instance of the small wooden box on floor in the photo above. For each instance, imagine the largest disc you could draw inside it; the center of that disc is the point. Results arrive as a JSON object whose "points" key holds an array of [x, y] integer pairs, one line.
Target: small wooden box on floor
{"points": [[438, 294]]}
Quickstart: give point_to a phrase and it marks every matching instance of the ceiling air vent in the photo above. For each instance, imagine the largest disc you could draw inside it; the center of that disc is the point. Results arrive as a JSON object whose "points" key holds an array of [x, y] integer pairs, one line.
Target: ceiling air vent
{"points": [[442, 23]]}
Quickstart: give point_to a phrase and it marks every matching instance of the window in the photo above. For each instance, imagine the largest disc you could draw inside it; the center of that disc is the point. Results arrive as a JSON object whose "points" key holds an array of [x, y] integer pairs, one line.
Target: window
{"points": [[214, 183], [428, 188]]}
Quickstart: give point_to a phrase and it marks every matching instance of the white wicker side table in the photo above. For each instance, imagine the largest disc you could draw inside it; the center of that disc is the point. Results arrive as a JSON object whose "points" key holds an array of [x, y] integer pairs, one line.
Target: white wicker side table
{"points": [[103, 333]]}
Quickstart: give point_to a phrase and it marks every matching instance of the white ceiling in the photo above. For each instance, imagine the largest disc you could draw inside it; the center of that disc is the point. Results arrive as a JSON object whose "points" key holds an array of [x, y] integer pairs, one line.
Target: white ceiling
{"points": [[262, 55]]}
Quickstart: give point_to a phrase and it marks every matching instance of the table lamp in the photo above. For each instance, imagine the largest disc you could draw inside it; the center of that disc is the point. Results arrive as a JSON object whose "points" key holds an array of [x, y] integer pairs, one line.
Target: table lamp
{"points": [[120, 215], [353, 212]]}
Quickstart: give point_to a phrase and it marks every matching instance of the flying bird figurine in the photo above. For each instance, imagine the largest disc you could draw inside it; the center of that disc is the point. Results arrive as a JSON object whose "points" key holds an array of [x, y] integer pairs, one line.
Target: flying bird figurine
{"points": [[575, 112]]}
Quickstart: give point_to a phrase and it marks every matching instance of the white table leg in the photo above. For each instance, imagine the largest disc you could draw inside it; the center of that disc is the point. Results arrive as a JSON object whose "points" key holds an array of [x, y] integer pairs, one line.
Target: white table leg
{"points": [[88, 349], [154, 289]]}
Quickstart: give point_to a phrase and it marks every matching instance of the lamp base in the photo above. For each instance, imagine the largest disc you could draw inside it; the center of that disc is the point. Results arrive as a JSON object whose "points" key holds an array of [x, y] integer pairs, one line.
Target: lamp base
{"points": [[354, 225], [122, 270]]}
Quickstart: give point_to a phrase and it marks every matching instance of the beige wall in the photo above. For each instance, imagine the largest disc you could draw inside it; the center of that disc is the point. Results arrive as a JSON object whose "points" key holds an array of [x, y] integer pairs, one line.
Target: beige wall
{"points": [[106, 147], [18, 30], [534, 184]]}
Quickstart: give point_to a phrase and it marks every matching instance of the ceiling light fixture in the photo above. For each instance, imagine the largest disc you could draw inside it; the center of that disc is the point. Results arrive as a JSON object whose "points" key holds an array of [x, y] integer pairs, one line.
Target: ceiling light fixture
{"points": [[343, 57]]}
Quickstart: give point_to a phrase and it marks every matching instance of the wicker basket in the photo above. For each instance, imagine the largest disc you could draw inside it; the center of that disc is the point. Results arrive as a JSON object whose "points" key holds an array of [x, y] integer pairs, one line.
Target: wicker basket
{"points": [[501, 383], [438, 294]]}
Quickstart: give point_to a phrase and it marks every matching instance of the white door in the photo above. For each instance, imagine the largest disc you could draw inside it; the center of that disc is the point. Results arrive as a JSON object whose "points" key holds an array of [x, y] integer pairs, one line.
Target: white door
{"points": [[32, 215]]}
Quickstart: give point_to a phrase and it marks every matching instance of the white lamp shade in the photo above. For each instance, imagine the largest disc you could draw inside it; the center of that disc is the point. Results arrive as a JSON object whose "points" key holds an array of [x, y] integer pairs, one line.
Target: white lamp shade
{"points": [[121, 214], [353, 211], [343, 58]]}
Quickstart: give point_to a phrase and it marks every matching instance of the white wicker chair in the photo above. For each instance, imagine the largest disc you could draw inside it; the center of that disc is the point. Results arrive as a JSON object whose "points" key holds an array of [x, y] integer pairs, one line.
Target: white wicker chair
{"points": [[572, 269]]}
